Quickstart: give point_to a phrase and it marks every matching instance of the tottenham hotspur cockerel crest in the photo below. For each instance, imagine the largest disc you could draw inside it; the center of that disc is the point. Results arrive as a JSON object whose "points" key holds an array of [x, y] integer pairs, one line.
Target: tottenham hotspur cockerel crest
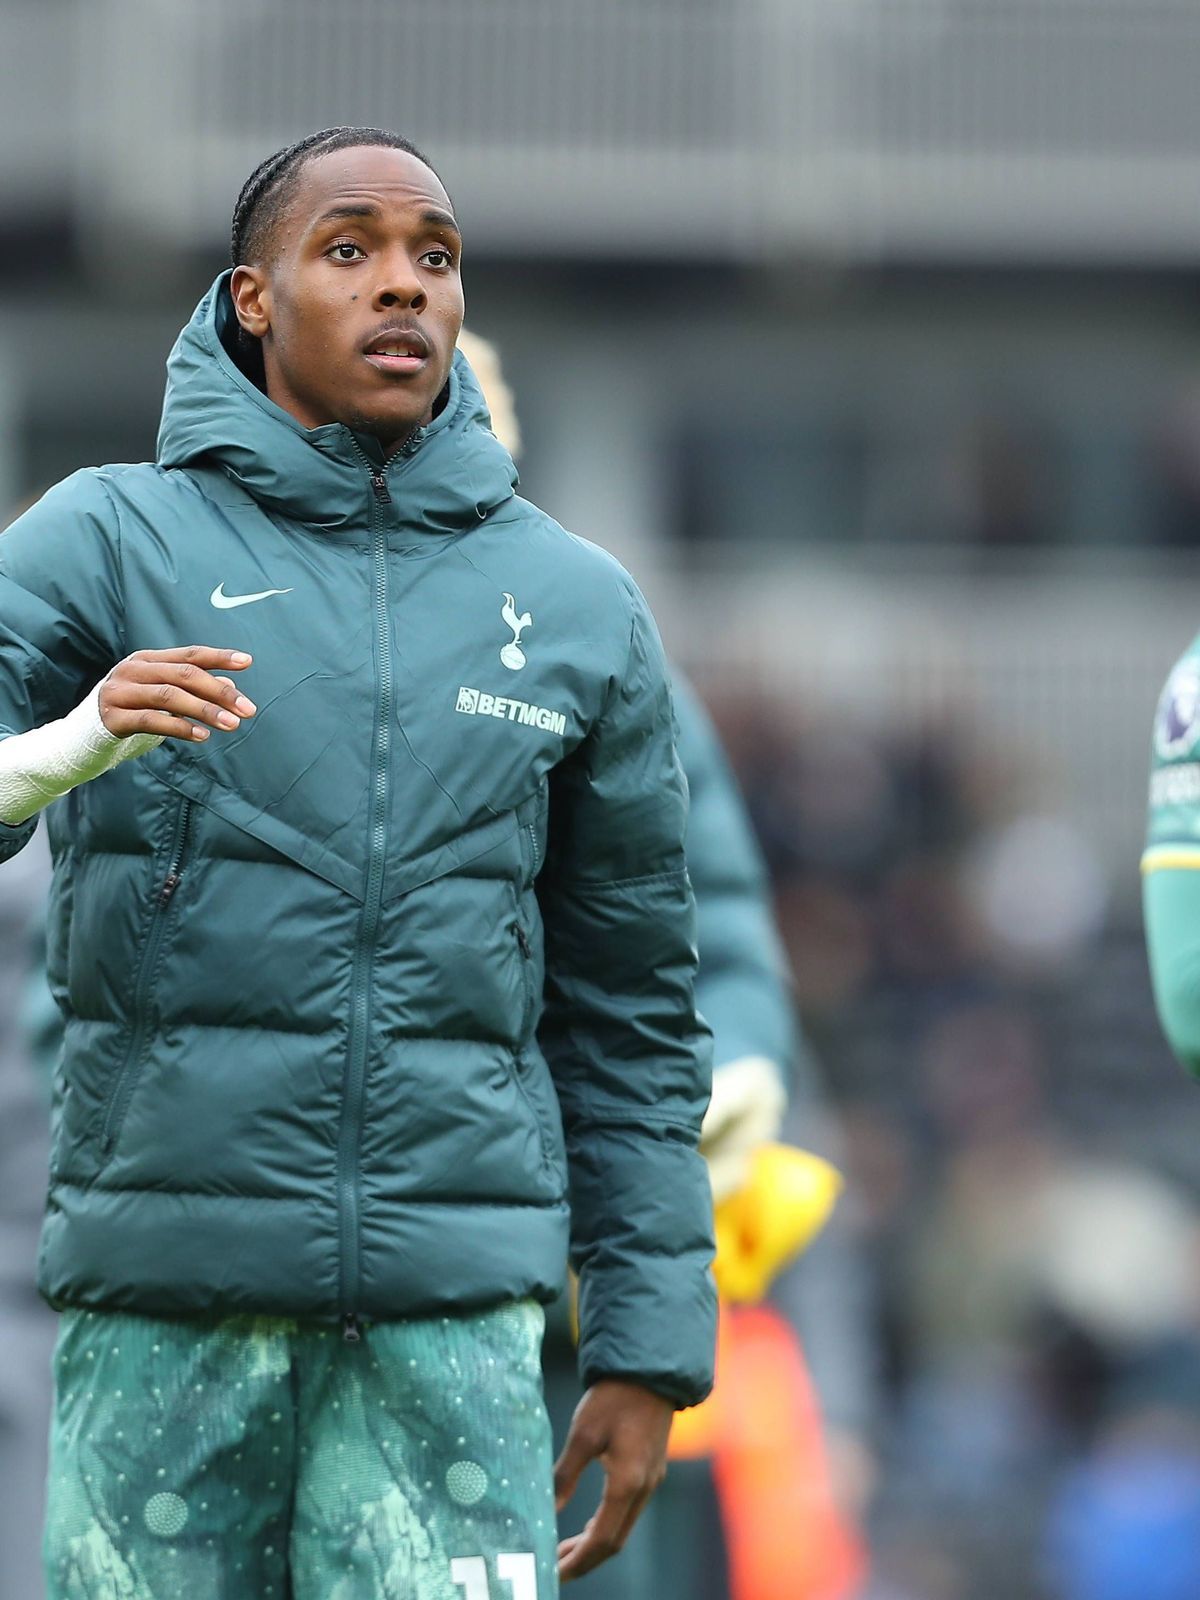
{"points": [[512, 655]]}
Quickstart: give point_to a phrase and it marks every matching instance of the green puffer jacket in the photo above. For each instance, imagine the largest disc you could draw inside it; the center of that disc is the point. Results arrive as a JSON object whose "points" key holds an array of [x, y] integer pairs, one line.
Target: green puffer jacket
{"points": [[351, 992]]}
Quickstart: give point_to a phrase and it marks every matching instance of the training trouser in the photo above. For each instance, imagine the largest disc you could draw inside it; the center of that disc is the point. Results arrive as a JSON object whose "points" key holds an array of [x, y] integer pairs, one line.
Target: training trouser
{"points": [[259, 1458]]}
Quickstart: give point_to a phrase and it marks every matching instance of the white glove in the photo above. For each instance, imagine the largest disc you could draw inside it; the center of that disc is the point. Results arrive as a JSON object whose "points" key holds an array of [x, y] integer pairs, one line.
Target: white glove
{"points": [[746, 1110], [38, 766]]}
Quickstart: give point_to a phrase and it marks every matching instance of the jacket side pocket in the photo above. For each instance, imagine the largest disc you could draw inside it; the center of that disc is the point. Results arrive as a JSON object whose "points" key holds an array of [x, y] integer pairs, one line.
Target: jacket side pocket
{"points": [[125, 1080]]}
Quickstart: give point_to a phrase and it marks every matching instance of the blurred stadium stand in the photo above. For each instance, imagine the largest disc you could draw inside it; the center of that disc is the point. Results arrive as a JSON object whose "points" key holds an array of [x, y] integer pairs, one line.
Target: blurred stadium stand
{"points": [[973, 129]]}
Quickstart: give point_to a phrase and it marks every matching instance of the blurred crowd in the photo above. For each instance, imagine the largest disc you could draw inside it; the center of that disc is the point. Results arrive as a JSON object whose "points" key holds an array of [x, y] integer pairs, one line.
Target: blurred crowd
{"points": [[981, 1012]]}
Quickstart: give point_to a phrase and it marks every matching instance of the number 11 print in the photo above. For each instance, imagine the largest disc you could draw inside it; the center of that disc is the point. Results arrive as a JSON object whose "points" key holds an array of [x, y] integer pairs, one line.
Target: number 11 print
{"points": [[518, 1570]]}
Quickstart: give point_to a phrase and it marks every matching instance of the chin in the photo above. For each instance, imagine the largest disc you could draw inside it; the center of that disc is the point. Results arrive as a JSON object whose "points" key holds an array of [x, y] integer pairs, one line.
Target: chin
{"points": [[395, 413], [388, 426]]}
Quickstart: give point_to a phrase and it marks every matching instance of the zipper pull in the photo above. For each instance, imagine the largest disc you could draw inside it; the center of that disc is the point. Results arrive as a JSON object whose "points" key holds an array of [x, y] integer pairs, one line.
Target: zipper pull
{"points": [[170, 884], [380, 485], [523, 941], [351, 1332]]}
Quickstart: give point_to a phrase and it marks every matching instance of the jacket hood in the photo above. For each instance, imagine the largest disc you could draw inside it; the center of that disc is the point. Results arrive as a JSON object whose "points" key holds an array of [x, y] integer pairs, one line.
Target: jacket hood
{"points": [[454, 471]]}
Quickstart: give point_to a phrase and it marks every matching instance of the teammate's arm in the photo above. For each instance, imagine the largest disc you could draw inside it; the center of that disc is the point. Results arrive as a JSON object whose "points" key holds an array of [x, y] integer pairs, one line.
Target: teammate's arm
{"points": [[1171, 901], [1171, 863], [743, 988], [631, 1065]]}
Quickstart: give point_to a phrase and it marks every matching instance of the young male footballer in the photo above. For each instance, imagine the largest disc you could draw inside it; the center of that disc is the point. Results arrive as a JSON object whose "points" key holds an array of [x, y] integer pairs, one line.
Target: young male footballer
{"points": [[378, 953]]}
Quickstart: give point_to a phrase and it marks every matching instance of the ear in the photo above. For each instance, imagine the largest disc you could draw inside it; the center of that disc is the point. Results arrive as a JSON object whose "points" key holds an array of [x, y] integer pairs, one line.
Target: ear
{"points": [[251, 293]]}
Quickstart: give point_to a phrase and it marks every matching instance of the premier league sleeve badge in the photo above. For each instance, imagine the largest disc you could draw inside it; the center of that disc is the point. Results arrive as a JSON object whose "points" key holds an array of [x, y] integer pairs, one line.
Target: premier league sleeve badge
{"points": [[1177, 724]]}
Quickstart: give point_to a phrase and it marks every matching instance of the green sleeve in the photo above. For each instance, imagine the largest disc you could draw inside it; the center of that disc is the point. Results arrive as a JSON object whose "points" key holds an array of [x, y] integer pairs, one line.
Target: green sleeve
{"points": [[1171, 863], [743, 989], [631, 1059], [1171, 903]]}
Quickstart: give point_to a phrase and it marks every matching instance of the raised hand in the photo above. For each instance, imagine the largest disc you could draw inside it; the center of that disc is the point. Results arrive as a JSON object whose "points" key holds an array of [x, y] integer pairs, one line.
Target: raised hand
{"points": [[173, 693]]}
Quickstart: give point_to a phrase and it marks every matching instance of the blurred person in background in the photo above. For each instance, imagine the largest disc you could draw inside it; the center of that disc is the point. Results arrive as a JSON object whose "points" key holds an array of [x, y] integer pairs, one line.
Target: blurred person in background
{"points": [[1124, 1523], [142, 1264]]}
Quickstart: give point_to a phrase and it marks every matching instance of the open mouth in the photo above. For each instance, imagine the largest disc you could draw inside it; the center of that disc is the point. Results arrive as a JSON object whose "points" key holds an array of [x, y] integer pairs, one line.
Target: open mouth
{"points": [[385, 361], [399, 353]]}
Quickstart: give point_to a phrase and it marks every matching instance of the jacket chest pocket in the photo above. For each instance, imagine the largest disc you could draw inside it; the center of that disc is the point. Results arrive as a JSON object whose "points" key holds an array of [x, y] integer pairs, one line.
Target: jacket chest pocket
{"points": [[167, 883]]}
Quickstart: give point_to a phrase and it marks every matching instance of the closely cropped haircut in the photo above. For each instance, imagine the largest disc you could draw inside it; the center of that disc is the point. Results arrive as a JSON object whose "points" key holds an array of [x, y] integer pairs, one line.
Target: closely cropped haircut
{"points": [[267, 191]]}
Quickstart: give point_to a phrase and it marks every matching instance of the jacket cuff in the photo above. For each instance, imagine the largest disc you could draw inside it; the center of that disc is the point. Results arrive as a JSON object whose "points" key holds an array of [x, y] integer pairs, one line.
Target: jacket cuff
{"points": [[665, 1341], [642, 1215]]}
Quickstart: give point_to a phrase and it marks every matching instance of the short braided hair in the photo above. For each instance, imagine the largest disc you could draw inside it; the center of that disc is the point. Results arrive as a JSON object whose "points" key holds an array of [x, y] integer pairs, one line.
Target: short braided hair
{"points": [[269, 187]]}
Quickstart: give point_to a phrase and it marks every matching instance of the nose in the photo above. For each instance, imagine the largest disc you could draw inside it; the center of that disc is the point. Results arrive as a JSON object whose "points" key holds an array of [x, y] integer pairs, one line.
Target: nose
{"points": [[400, 285]]}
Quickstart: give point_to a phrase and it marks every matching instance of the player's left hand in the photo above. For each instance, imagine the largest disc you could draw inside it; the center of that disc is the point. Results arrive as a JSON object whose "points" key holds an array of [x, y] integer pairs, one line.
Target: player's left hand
{"points": [[625, 1427]]}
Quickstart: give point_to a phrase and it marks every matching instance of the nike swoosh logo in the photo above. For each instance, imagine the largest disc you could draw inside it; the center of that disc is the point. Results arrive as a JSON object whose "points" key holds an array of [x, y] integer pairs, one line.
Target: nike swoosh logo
{"points": [[224, 601]]}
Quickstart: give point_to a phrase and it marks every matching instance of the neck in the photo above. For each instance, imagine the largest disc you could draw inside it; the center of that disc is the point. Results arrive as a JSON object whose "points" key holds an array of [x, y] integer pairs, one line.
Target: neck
{"points": [[389, 450]]}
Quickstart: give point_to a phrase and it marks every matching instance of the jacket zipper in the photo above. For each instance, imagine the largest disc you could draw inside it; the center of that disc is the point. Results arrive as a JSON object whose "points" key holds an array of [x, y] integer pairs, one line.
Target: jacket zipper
{"points": [[354, 1085], [122, 1093], [526, 950], [533, 839]]}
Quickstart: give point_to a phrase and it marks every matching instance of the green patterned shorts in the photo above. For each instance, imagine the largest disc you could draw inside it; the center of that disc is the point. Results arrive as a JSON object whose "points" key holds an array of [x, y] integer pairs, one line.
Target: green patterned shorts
{"points": [[257, 1458]]}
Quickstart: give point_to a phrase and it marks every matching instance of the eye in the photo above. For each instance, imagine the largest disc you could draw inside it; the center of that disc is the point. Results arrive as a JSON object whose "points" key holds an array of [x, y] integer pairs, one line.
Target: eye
{"points": [[344, 245], [446, 255]]}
